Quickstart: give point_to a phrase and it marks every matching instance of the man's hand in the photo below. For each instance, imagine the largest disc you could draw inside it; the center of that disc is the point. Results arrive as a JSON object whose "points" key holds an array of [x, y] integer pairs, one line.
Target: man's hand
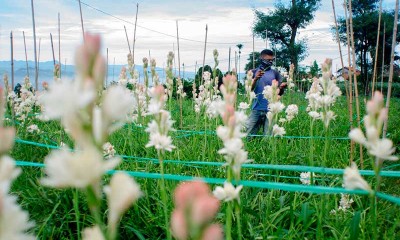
{"points": [[258, 75]]}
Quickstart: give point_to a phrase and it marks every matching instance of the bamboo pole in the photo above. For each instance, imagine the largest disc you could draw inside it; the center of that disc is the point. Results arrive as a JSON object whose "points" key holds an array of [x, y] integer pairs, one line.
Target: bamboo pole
{"points": [[52, 49], [26, 55], [179, 76], [229, 60], [107, 71], [350, 75], [179, 56], [355, 78], [59, 43], [134, 34], [341, 58], [396, 13], [127, 40], [376, 49], [80, 11], [383, 55], [204, 56], [34, 46], [12, 60]]}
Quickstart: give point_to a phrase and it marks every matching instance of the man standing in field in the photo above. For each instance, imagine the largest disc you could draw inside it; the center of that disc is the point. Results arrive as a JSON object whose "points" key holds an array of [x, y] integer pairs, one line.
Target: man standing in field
{"points": [[263, 75]]}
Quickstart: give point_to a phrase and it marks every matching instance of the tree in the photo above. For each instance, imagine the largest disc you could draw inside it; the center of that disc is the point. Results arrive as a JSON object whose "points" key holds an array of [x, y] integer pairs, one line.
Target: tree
{"points": [[314, 69], [282, 24], [249, 64], [365, 27]]}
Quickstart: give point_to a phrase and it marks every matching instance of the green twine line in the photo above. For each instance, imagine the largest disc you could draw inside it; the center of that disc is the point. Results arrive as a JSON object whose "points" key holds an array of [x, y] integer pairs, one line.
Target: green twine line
{"points": [[36, 144], [264, 185], [296, 168], [255, 135]]}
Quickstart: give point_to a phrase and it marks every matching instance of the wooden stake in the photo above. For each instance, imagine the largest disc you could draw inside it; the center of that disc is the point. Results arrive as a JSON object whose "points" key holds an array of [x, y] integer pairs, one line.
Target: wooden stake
{"points": [[376, 49], [229, 60], [396, 13], [179, 57], [26, 55], [107, 71], [383, 55], [12, 60], [134, 34], [52, 49], [350, 73], [34, 46], [341, 57], [127, 40], [59, 43], [80, 10], [355, 79], [204, 56]]}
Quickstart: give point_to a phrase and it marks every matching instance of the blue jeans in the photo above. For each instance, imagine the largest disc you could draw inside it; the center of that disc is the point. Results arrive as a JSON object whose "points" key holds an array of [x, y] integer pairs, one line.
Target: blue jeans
{"points": [[257, 119]]}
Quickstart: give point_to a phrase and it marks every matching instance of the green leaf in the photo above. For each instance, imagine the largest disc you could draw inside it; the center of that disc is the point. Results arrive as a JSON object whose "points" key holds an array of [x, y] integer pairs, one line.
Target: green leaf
{"points": [[355, 225]]}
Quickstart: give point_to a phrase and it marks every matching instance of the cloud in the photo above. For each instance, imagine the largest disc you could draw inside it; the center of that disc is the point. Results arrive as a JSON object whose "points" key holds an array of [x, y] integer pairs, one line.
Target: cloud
{"points": [[229, 23]]}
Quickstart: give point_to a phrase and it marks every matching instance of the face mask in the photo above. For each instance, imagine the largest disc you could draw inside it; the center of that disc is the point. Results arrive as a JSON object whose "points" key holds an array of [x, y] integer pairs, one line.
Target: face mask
{"points": [[265, 64]]}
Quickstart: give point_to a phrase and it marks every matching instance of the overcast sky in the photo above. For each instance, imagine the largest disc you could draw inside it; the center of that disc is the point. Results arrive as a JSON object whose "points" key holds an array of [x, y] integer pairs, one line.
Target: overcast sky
{"points": [[229, 23]]}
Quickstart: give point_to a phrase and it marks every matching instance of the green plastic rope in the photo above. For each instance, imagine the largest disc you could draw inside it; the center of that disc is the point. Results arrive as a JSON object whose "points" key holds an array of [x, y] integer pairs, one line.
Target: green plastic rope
{"points": [[263, 185], [296, 168]]}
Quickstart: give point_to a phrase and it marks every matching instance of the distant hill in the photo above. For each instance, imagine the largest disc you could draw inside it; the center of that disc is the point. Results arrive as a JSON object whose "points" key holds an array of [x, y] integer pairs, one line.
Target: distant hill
{"points": [[67, 71]]}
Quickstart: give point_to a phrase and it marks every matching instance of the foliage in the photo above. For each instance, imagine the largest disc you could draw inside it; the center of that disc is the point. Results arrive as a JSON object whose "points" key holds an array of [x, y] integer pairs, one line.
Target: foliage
{"points": [[282, 25], [365, 27], [314, 69]]}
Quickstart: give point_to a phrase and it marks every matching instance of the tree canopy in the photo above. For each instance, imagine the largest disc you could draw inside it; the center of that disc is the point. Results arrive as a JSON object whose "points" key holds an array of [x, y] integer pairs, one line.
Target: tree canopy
{"points": [[281, 26], [365, 27]]}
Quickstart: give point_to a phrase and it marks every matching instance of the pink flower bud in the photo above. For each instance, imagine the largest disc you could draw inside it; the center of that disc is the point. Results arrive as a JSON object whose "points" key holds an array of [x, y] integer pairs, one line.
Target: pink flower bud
{"points": [[204, 209], [213, 232], [92, 44], [186, 192], [6, 139], [178, 224]]}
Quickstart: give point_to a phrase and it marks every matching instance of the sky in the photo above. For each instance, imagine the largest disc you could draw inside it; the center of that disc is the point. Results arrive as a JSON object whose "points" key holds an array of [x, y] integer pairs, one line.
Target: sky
{"points": [[229, 23]]}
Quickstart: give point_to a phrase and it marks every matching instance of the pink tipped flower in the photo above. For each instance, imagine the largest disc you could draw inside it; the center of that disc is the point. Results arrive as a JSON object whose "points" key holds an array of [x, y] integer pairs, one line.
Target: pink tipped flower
{"points": [[213, 232], [6, 139], [195, 208], [89, 63], [187, 191], [375, 104]]}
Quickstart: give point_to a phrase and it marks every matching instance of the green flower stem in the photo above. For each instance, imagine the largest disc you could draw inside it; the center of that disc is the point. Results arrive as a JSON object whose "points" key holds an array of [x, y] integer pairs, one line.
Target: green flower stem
{"points": [[228, 229], [164, 196], [77, 213], [311, 160], [94, 205], [238, 220], [327, 143]]}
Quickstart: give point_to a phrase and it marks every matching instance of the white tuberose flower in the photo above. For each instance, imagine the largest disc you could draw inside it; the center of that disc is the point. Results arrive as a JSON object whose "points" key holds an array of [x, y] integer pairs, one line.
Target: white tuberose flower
{"points": [[353, 180], [122, 192], [14, 222], [69, 96], [228, 192], [92, 233], [79, 169]]}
